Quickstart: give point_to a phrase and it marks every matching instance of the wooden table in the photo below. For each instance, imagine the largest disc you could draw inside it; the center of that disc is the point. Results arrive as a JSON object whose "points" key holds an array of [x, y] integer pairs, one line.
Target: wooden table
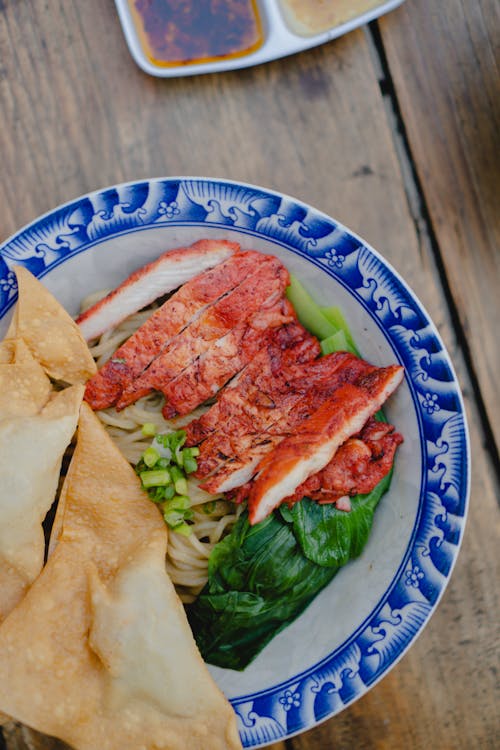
{"points": [[392, 130]]}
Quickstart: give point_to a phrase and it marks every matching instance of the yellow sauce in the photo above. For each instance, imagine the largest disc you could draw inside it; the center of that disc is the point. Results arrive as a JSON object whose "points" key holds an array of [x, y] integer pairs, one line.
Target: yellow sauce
{"points": [[308, 17], [185, 32]]}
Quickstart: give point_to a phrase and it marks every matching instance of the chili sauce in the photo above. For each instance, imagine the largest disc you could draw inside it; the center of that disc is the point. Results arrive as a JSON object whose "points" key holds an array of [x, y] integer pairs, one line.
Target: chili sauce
{"points": [[184, 32]]}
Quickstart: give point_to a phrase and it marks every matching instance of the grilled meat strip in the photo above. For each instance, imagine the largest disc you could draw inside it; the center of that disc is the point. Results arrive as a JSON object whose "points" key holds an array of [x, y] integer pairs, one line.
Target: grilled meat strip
{"points": [[224, 359], [261, 288], [231, 456], [153, 280], [260, 386], [182, 308], [356, 468], [316, 439]]}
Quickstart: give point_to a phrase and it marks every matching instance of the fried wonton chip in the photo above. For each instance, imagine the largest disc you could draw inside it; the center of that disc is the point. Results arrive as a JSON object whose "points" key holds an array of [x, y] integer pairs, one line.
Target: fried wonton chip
{"points": [[50, 333], [24, 386], [31, 451], [99, 653]]}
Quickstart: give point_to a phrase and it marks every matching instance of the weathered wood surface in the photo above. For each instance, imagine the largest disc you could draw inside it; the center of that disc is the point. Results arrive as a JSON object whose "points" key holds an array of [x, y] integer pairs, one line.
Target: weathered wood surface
{"points": [[444, 61], [77, 114]]}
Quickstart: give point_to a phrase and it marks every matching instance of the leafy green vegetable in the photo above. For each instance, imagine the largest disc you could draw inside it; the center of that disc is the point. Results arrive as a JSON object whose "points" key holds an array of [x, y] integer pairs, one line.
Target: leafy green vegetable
{"points": [[259, 581], [337, 342], [329, 536], [260, 578], [336, 318], [308, 312]]}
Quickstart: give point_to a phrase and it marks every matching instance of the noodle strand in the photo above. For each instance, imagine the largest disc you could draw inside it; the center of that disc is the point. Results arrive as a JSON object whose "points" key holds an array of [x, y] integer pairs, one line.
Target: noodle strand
{"points": [[213, 518]]}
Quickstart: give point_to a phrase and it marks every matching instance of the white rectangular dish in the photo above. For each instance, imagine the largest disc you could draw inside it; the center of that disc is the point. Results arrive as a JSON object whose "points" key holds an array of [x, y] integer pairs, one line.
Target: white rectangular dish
{"points": [[283, 28]]}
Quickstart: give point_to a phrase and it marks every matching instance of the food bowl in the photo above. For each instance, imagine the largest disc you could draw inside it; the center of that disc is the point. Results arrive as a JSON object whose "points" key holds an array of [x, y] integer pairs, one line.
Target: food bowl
{"points": [[363, 622]]}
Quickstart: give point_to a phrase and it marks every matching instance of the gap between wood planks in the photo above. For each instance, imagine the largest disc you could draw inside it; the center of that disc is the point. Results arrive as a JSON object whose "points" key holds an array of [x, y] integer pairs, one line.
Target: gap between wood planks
{"points": [[423, 224]]}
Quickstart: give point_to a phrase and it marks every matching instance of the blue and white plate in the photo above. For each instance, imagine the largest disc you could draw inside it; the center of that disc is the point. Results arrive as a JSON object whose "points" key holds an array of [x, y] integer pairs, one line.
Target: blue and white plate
{"points": [[372, 611]]}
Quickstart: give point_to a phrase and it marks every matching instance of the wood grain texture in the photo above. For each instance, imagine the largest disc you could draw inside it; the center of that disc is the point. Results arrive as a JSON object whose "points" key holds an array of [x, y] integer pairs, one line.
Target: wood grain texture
{"points": [[77, 114], [444, 61]]}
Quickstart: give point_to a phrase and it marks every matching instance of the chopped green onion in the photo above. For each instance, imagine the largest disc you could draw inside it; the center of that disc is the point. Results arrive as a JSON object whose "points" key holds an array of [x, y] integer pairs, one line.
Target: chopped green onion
{"points": [[177, 502], [163, 439], [177, 441], [182, 501], [308, 312], [188, 459], [162, 469], [178, 438], [191, 452], [157, 494], [169, 491], [183, 529], [176, 473], [155, 478], [181, 486], [149, 429], [190, 465], [150, 457], [174, 518]]}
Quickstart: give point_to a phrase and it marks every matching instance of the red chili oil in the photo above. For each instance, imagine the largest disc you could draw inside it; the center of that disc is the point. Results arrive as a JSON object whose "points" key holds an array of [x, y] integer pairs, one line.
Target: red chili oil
{"points": [[184, 32]]}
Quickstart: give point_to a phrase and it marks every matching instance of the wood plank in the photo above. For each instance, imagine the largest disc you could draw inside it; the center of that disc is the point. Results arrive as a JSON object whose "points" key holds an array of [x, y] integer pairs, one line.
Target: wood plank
{"points": [[444, 61], [78, 115]]}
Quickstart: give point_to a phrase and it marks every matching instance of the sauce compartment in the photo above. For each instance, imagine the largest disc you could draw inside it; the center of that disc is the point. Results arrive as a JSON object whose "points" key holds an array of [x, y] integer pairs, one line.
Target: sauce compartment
{"points": [[185, 32], [310, 17], [169, 38]]}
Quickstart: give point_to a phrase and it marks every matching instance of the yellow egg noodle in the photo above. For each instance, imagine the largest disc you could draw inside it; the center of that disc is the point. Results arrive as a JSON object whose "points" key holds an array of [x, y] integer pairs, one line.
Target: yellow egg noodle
{"points": [[187, 557]]}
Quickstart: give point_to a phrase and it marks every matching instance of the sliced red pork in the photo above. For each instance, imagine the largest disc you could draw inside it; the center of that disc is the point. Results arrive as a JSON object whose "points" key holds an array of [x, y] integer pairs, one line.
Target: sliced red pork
{"points": [[204, 377], [260, 386], [356, 468], [141, 288], [182, 308], [230, 456], [261, 287], [316, 440]]}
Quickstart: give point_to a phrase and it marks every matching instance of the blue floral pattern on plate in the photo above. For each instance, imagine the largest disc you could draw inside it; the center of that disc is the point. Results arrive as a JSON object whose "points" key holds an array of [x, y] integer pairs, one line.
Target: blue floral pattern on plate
{"points": [[327, 687]]}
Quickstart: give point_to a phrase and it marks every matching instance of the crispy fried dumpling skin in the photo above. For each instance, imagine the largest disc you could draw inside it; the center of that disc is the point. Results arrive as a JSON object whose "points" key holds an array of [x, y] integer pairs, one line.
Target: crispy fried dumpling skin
{"points": [[50, 333], [99, 652]]}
